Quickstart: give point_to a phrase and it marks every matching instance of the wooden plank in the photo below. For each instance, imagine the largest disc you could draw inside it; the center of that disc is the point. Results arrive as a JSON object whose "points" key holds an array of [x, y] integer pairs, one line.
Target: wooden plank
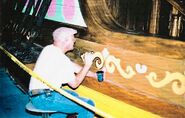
{"points": [[139, 82], [116, 108], [136, 98], [127, 96], [177, 5]]}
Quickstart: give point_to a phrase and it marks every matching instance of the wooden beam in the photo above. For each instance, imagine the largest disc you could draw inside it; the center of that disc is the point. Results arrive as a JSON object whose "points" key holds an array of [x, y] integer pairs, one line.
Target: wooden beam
{"points": [[177, 5], [154, 20], [116, 108]]}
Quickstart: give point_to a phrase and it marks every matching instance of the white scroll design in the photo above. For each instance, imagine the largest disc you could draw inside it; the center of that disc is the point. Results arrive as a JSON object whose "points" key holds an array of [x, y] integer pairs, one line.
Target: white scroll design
{"points": [[99, 60], [111, 63], [177, 79], [141, 69]]}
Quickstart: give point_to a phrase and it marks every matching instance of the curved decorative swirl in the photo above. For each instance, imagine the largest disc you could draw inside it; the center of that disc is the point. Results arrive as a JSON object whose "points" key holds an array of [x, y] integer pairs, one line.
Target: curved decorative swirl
{"points": [[141, 69], [99, 60], [177, 79], [111, 63]]}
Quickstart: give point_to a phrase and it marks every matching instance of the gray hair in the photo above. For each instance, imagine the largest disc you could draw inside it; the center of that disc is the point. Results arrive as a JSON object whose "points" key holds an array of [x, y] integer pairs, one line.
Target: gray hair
{"points": [[63, 32]]}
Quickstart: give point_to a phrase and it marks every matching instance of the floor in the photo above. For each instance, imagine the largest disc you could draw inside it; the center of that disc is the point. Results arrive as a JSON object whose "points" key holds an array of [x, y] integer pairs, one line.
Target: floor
{"points": [[12, 99]]}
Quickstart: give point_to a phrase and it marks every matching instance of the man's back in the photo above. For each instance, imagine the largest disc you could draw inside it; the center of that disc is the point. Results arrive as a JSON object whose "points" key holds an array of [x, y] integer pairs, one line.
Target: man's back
{"points": [[54, 66]]}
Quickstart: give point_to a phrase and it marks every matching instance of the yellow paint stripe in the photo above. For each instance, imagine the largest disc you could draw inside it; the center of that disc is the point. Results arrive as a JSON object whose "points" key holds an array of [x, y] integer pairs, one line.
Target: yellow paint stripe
{"points": [[114, 107]]}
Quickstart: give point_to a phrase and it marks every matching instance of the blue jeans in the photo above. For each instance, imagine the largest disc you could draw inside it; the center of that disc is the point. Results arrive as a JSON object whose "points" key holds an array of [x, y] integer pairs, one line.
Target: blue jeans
{"points": [[58, 102]]}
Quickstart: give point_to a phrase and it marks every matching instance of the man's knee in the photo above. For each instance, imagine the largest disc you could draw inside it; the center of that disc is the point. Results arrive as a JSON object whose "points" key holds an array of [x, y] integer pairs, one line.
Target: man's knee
{"points": [[89, 101], [71, 92]]}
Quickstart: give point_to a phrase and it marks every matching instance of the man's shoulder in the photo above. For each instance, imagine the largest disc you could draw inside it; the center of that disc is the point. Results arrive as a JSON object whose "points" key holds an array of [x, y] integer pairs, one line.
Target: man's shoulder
{"points": [[48, 46]]}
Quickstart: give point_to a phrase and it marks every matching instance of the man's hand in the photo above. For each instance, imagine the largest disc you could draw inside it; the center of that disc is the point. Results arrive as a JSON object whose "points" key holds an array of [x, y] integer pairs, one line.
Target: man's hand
{"points": [[88, 58]]}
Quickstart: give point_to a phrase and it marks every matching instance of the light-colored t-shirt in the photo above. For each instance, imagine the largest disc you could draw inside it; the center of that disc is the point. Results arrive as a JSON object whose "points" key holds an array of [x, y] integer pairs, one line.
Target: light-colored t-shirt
{"points": [[54, 66]]}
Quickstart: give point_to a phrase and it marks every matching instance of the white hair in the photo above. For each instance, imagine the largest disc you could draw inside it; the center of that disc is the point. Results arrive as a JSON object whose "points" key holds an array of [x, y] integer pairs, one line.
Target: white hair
{"points": [[63, 32]]}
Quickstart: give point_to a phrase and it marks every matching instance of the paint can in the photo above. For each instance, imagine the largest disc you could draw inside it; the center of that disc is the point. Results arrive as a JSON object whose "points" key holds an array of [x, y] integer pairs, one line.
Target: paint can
{"points": [[100, 75]]}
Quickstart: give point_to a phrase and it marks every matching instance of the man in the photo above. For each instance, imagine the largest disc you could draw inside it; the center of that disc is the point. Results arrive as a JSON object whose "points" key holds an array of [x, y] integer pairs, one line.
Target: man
{"points": [[54, 66]]}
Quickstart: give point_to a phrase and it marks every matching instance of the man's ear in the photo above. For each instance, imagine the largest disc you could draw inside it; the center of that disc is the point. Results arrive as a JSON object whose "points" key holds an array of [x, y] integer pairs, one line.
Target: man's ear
{"points": [[65, 39]]}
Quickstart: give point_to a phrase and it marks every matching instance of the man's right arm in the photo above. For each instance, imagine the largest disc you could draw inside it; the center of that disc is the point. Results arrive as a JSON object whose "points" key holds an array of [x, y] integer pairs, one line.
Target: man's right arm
{"points": [[88, 60]]}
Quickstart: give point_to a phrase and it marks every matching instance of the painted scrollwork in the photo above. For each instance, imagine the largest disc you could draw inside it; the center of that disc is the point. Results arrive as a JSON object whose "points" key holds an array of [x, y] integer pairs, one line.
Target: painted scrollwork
{"points": [[177, 79], [111, 63], [99, 60]]}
